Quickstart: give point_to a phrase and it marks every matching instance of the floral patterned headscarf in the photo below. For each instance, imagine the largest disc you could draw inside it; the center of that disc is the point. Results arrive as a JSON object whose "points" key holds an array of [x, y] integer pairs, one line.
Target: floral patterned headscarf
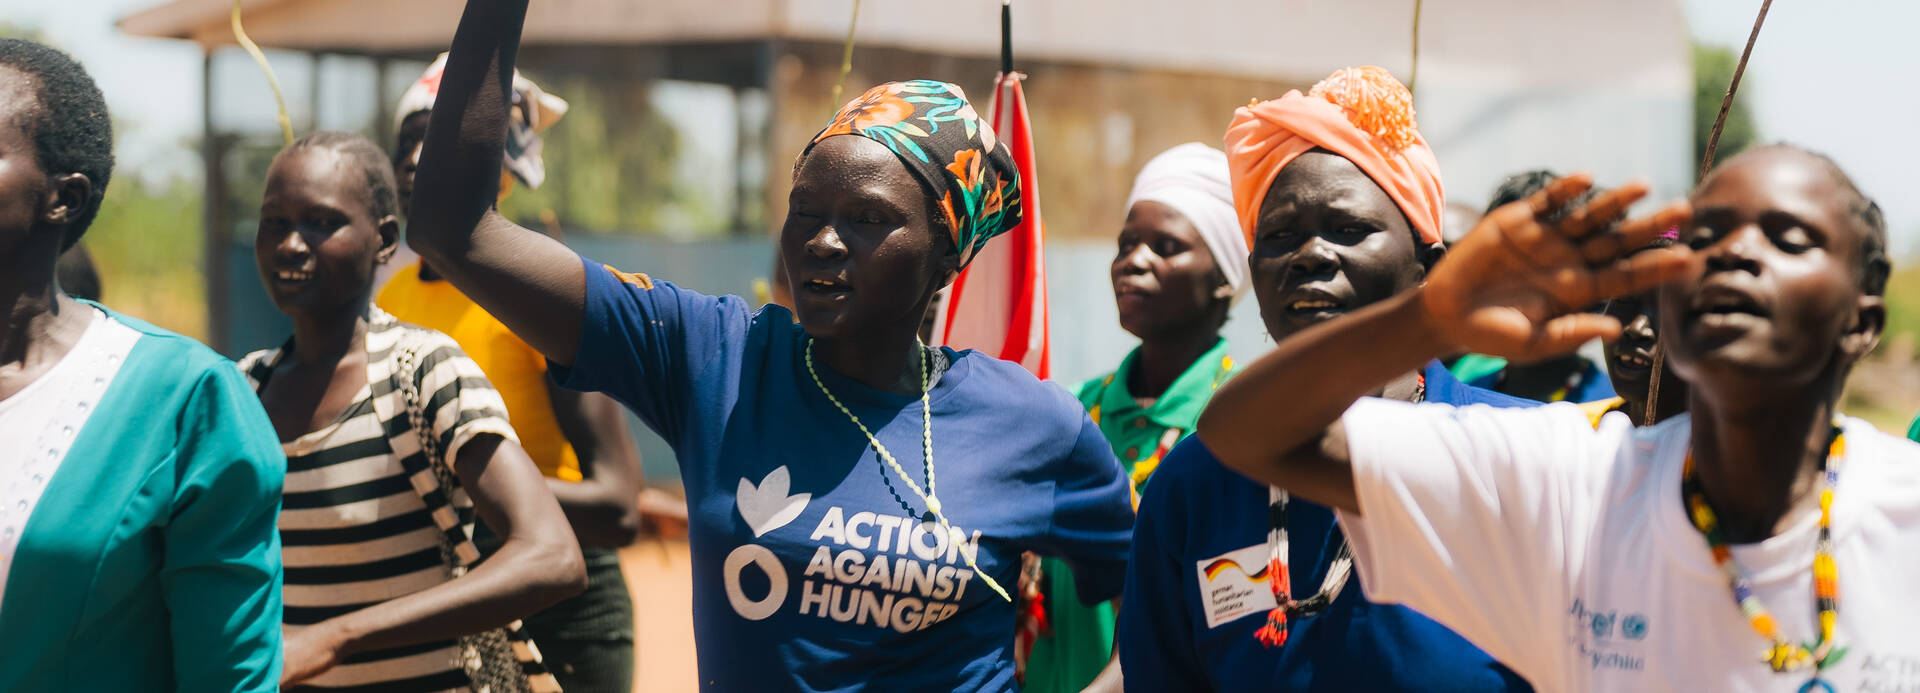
{"points": [[967, 171]]}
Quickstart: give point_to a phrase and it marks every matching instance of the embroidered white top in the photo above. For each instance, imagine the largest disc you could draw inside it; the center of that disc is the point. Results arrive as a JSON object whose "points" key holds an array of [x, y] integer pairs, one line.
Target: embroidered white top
{"points": [[39, 423]]}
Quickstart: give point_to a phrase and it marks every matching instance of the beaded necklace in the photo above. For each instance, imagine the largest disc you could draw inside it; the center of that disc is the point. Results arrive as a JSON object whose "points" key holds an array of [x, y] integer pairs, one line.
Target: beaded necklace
{"points": [[1566, 390], [926, 421], [1144, 468], [1782, 654], [1274, 633]]}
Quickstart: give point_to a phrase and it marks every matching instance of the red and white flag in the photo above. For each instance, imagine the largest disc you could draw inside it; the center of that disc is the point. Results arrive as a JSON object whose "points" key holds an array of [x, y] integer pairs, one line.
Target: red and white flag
{"points": [[998, 305]]}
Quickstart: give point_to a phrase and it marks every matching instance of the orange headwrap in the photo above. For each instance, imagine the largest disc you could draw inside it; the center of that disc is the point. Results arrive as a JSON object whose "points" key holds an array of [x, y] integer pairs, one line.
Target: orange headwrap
{"points": [[1361, 113]]}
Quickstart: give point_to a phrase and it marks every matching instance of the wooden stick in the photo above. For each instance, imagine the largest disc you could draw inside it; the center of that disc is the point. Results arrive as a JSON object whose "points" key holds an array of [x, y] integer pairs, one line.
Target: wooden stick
{"points": [[846, 58], [1413, 75], [240, 35], [1706, 164], [1653, 386], [1006, 37], [1726, 104]]}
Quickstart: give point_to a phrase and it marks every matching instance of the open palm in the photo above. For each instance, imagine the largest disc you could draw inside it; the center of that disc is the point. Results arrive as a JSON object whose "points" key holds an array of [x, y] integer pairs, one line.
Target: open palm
{"points": [[1515, 285]]}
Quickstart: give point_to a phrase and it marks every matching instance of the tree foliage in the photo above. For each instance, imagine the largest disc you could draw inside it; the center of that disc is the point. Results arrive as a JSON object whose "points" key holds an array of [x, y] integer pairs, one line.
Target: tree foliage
{"points": [[1712, 72], [611, 164]]}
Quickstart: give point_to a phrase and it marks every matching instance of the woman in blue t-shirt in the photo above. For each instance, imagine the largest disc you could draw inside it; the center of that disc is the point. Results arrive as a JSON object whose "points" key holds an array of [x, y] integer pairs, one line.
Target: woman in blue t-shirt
{"points": [[858, 501], [1233, 586]]}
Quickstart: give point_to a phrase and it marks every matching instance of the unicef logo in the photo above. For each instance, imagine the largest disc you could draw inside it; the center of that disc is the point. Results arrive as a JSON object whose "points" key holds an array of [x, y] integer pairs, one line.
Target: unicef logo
{"points": [[1601, 624], [1633, 627]]}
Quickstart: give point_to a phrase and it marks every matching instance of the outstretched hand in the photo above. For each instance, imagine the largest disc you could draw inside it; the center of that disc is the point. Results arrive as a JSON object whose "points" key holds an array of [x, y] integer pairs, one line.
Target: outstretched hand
{"points": [[1515, 286]]}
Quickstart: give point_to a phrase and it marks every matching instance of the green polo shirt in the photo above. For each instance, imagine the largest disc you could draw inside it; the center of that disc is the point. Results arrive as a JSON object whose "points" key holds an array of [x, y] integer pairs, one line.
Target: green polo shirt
{"points": [[1068, 658]]}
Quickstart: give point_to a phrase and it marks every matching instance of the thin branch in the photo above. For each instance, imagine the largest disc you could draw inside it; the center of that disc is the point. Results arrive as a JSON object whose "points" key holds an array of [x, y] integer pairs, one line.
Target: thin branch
{"points": [[1726, 104], [1413, 75], [240, 35], [846, 58]]}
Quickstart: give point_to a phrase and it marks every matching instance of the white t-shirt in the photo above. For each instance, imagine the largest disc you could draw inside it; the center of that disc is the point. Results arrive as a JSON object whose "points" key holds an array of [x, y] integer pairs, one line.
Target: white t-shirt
{"points": [[1564, 551]]}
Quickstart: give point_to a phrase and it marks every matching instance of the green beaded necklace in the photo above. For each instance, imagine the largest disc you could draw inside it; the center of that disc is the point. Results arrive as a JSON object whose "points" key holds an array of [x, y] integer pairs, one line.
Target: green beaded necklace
{"points": [[926, 422]]}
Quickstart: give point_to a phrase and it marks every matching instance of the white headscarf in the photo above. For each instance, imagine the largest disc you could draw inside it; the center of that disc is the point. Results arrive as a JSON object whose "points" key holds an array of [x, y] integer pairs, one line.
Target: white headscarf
{"points": [[1192, 179], [523, 153]]}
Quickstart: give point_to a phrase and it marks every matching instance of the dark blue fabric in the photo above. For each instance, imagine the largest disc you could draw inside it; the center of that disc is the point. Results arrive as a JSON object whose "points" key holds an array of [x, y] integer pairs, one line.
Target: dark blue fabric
{"points": [[786, 602], [1196, 511], [1594, 384]]}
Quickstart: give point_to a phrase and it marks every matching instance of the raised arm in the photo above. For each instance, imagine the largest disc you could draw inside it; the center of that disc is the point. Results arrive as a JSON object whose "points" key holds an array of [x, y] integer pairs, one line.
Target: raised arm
{"points": [[532, 283], [1513, 287]]}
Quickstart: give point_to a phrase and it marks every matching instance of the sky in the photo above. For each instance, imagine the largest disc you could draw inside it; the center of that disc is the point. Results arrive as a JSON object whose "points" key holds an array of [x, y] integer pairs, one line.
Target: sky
{"points": [[1831, 76], [1835, 77]]}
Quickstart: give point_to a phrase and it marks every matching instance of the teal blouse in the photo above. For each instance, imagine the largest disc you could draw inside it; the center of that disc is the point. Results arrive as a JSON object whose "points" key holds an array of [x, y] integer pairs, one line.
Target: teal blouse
{"points": [[152, 562]]}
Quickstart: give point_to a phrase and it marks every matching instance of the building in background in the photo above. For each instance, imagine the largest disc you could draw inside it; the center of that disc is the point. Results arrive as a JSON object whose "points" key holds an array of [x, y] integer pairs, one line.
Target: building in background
{"points": [[688, 113]]}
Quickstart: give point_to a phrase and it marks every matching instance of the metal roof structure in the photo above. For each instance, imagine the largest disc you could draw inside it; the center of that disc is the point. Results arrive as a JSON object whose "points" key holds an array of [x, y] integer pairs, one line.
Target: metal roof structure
{"points": [[1540, 41], [1503, 86]]}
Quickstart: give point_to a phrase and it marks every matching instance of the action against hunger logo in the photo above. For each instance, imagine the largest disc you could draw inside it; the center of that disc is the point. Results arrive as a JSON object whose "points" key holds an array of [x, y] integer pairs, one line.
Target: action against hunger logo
{"points": [[851, 578], [767, 507]]}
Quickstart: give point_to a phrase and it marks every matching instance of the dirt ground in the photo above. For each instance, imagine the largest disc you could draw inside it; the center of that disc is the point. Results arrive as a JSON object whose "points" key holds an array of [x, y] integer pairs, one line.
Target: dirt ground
{"points": [[659, 575]]}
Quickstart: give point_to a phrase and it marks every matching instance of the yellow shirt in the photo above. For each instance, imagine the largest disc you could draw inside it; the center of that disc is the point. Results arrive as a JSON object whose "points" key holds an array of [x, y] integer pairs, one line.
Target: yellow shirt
{"points": [[516, 370]]}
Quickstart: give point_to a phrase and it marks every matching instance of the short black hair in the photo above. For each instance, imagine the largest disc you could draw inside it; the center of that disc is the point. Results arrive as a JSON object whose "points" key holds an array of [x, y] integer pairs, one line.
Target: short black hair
{"points": [[68, 122], [1519, 186], [382, 200], [1875, 265]]}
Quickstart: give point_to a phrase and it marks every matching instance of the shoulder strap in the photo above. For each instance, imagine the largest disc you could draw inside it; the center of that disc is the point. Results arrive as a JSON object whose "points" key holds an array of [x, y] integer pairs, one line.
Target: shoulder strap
{"points": [[258, 366], [427, 471], [514, 660]]}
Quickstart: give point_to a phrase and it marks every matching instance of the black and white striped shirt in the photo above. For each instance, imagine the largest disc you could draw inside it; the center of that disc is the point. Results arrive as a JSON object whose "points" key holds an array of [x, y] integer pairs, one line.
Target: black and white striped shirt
{"points": [[354, 531]]}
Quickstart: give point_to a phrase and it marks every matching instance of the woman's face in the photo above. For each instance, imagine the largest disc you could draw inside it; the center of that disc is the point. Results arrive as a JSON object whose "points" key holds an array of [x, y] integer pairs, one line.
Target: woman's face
{"points": [[406, 156], [1165, 281], [23, 185], [1774, 298], [1630, 357], [861, 252], [1329, 241], [318, 243]]}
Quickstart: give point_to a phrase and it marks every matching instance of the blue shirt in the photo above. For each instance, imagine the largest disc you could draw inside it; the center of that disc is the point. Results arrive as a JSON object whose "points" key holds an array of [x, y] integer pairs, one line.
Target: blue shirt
{"points": [[811, 568], [1593, 385], [1203, 523]]}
